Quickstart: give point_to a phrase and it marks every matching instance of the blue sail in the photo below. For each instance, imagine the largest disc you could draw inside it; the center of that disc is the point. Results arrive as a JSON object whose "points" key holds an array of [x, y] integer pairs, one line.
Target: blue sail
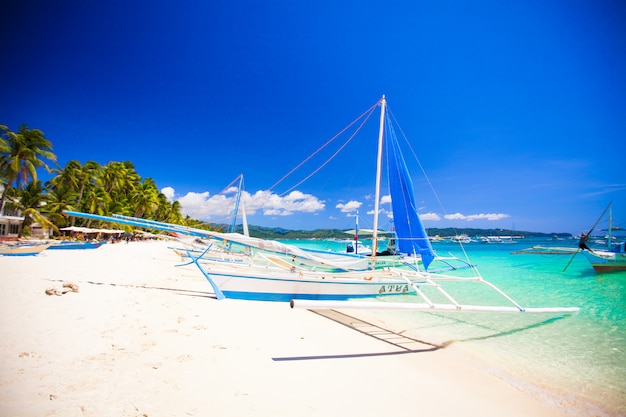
{"points": [[412, 237]]}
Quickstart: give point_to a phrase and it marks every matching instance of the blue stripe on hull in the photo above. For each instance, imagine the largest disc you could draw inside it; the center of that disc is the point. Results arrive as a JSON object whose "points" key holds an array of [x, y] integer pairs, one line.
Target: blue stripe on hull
{"points": [[258, 296], [75, 246]]}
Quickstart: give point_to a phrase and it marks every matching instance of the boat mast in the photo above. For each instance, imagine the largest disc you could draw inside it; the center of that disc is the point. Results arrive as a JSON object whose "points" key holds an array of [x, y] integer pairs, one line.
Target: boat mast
{"points": [[236, 209], [244, 220], [356, 234], [609, 237], [379, 164]]}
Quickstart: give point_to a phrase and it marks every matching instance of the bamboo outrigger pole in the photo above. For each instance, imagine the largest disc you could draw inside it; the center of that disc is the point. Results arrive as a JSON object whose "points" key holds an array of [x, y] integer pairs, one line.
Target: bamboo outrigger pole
{"points": [[379, 305]]}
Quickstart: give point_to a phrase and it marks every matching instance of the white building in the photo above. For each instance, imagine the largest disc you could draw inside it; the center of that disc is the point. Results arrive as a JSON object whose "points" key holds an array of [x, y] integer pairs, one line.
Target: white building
{"points": [[10, 224]]}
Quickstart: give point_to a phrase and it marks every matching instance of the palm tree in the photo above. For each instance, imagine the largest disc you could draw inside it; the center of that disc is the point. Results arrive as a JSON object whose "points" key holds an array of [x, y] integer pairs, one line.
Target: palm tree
{"points": [[145, 198], [163, 209], [21, 154], [176, 216], [79, 179], [120, 179], [96, 201], [59, 199], [4, 144], [4, 149], [114, 176], [67, 177], [31, 200], [119, 207], [168, 212]]}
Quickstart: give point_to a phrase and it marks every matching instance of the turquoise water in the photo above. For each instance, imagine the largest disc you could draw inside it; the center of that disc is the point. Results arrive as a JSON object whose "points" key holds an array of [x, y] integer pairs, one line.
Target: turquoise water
{"points": [[581, 355]]}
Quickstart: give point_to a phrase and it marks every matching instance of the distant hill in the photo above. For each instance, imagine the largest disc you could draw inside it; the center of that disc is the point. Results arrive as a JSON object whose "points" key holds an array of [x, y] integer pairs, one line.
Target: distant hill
{"points": [[447, 232], [280, 233]]}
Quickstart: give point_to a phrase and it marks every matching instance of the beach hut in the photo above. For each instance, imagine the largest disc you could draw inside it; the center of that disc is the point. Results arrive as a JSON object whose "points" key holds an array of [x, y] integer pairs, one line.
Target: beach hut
{"points": [[10, 223]]}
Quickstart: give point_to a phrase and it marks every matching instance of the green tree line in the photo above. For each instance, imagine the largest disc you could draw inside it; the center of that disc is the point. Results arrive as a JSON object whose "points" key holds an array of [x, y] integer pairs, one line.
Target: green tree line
{"points": [[115, 187]]}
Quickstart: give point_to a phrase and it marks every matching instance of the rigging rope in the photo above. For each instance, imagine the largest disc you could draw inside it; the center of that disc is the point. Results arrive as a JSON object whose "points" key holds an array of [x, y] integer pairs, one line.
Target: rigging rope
{"points": [[368, 112], [331, 157]]}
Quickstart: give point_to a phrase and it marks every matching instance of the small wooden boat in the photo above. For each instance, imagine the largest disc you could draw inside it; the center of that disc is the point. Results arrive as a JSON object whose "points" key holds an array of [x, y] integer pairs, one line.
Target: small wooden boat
{"points": [[22, 249], [608, 260], [613, 258]]}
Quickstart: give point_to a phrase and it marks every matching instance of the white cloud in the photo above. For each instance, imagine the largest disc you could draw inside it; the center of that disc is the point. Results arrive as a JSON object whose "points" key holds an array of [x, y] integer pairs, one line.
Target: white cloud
{"points": [[207, 207], [349, 207], [203, 206], [471, 217], [276, 205], [389, 214], [169, 193], [382, 212], [430, 216]]}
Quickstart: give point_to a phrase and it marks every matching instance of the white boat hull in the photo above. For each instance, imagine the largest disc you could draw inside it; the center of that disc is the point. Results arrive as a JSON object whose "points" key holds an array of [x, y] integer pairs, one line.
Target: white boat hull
{"points": [[605, 261], [307, 289], [275, 284]]}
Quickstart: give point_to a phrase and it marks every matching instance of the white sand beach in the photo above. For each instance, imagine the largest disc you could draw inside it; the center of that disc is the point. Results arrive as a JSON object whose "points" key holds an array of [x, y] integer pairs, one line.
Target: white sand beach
{"points": [[141, 337]]}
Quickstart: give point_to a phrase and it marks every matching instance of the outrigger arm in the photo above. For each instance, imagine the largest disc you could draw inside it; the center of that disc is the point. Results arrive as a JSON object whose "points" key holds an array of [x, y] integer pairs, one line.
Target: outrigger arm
{"points": [[381, 305]]}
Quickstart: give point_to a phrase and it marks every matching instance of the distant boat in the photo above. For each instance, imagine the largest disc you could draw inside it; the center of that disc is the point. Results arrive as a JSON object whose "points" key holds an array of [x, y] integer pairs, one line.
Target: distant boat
{"points": [[356, 246], [22, 249], [614, 257], [546, 250], [461, 239], [498, 239]]}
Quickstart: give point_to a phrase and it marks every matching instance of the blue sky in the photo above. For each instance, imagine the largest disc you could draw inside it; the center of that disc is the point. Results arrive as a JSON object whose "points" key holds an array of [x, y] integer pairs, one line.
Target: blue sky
{"points": [[515, 109]]}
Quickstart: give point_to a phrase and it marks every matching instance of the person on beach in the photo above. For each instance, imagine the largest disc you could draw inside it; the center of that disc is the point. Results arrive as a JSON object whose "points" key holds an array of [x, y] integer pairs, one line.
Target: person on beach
{"points": [[582, 243]]}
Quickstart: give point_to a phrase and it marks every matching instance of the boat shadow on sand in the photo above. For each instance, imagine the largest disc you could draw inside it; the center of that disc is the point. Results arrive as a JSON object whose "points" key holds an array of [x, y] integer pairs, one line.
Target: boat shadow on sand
{"points": [[403, 342]]}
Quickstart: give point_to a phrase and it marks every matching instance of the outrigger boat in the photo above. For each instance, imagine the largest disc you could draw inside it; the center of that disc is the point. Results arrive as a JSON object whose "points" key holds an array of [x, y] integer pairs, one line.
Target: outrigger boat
{"points": [[306, 287], [546, 250], [74, 245], [613, 258], [23, 249], [273, 271]]}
